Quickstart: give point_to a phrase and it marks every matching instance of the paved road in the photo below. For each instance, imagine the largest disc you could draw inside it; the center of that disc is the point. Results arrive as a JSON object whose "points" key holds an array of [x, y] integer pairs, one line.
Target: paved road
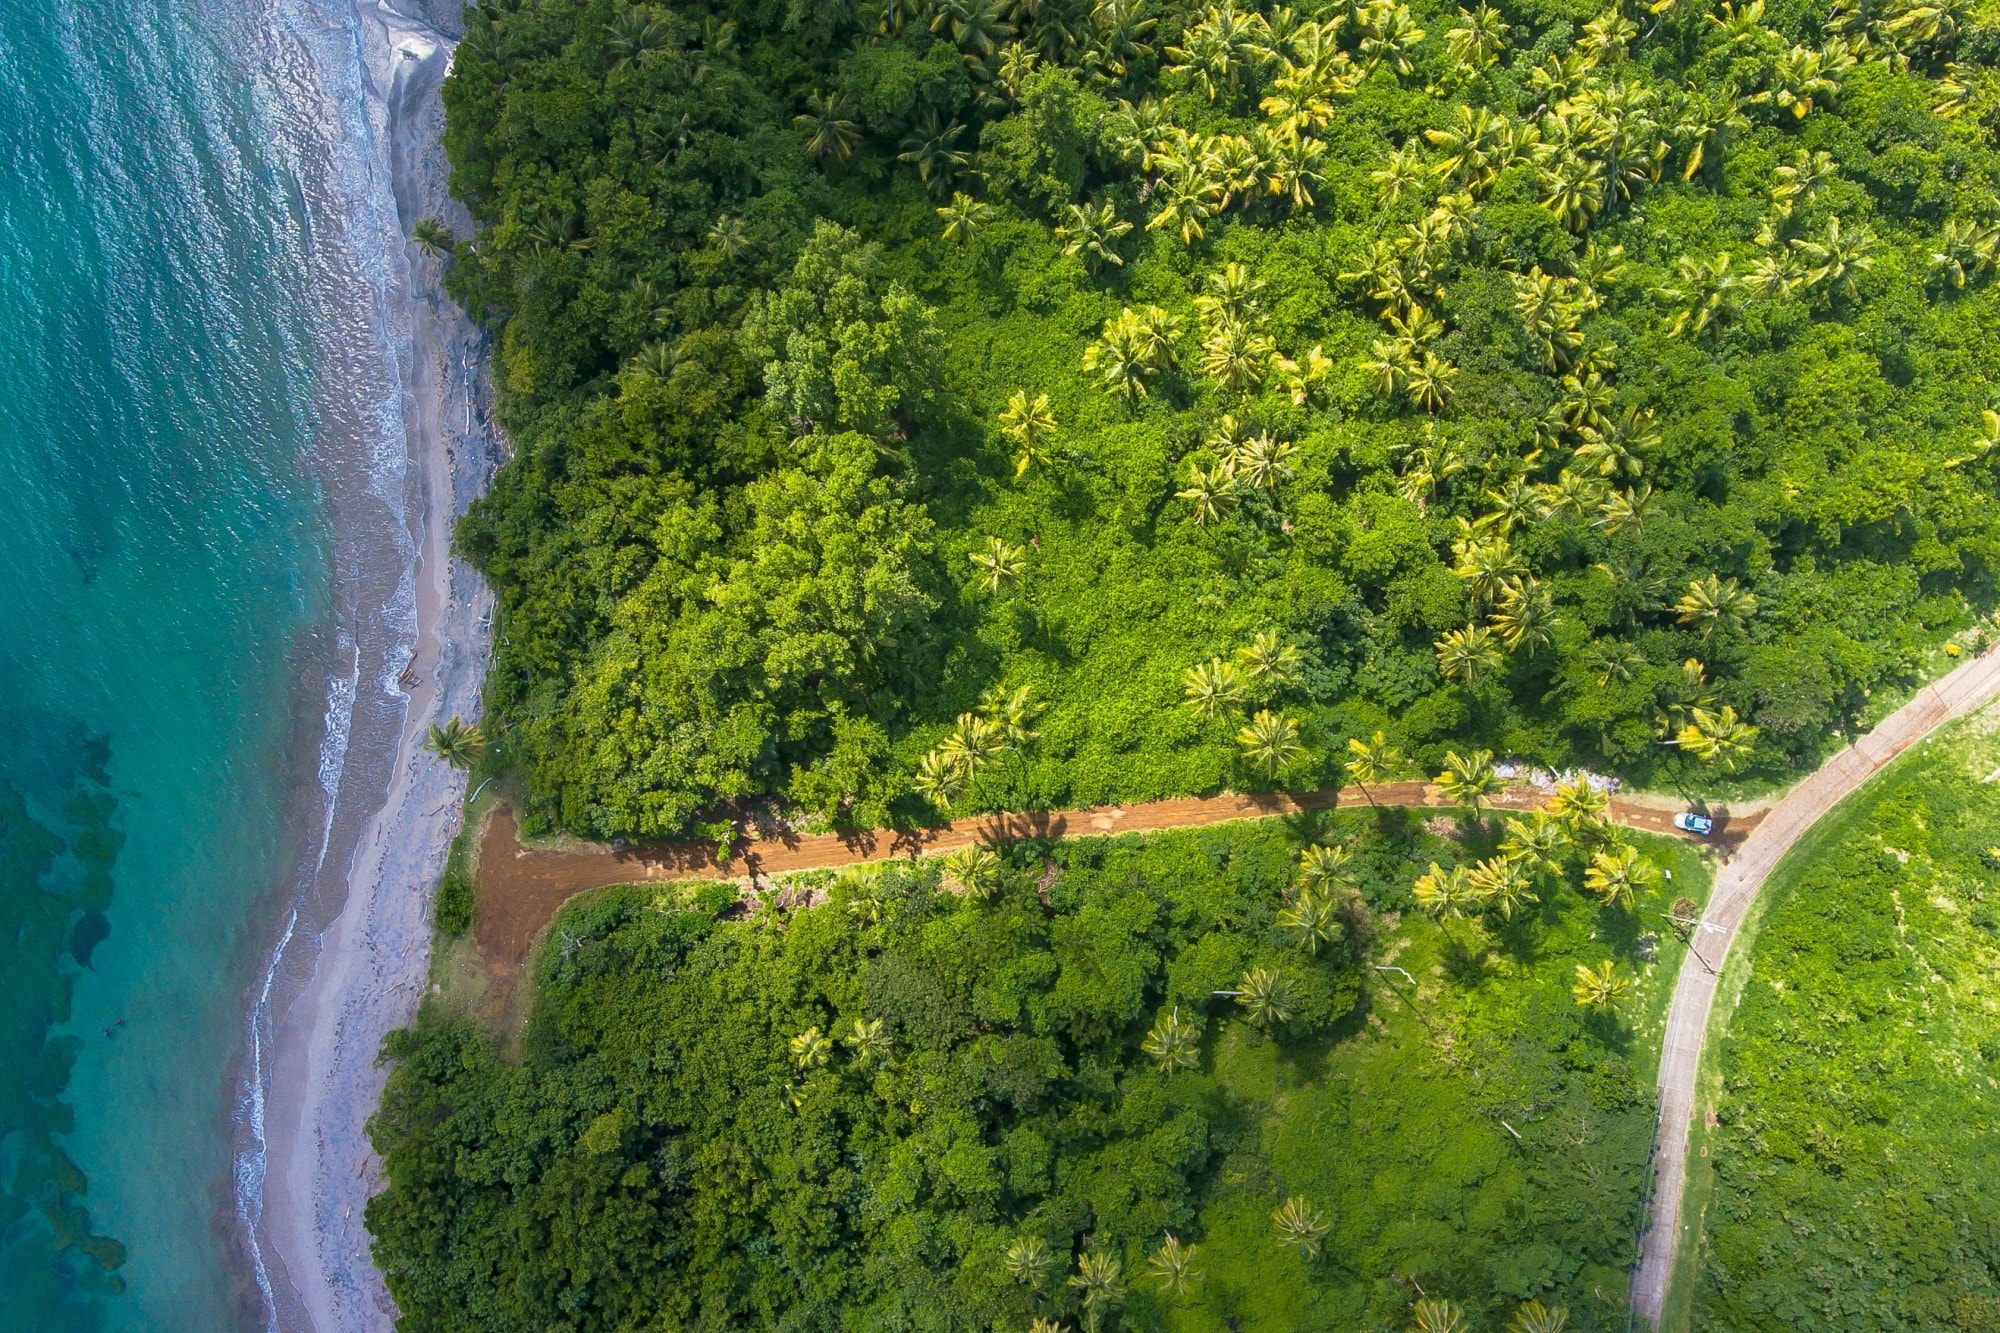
{"points": [[1965, 689]]}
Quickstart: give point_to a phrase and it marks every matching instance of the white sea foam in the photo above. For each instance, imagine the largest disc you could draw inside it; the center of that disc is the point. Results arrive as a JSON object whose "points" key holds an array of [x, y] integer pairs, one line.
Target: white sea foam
{"points": [[337, 722], [330, 128]]}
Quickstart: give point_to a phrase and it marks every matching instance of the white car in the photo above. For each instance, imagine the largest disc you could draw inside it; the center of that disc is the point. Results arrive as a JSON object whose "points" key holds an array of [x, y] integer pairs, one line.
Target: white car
{"points": [[1687, 821]]}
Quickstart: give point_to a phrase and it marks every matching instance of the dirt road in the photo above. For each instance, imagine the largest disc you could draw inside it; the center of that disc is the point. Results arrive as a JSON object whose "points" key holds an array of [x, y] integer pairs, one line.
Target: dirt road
{"points": [[1964, 690], [520, 888]]}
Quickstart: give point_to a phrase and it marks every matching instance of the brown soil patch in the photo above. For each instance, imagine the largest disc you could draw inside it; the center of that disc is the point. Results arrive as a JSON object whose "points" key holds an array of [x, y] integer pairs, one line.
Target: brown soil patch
{"points": [[521, 887]]}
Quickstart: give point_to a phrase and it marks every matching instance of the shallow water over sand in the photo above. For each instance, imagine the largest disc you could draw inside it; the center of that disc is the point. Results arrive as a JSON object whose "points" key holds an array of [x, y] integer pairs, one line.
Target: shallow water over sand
{"points": [[202, 533]]}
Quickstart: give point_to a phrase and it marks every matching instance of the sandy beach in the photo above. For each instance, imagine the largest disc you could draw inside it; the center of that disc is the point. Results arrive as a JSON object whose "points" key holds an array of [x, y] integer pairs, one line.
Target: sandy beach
{"points": [[363, 974]]}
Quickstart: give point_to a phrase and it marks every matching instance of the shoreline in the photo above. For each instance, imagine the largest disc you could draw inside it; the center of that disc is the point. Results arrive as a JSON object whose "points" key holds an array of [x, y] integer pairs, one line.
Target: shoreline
{"points": [[350, 959]]}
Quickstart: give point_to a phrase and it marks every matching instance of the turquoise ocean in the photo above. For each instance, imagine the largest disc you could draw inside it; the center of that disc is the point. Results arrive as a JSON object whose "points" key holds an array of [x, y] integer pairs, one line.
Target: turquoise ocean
{"points": [[174, 634]]}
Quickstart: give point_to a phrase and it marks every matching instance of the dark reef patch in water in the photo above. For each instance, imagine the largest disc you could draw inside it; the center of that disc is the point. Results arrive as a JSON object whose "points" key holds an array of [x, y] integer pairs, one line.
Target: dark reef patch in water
{"points": [[58, 845]]}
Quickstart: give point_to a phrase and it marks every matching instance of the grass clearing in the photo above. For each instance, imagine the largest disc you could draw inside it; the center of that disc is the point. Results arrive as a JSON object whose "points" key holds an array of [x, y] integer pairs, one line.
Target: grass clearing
{"points": [[1848, 1186]]}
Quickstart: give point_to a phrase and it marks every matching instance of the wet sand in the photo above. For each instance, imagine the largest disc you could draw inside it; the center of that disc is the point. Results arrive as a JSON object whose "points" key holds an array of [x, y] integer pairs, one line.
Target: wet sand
{"points": [[367, 968]]}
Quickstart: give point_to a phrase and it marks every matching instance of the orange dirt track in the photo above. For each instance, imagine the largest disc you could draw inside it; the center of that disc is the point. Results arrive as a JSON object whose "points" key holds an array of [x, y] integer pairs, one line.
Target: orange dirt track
{"points": [[520, 888]]}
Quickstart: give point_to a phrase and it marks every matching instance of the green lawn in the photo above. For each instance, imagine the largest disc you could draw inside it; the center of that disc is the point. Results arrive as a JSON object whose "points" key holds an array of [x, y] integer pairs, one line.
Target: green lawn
{"points": [[1399, 1129], [1853, 1181]]}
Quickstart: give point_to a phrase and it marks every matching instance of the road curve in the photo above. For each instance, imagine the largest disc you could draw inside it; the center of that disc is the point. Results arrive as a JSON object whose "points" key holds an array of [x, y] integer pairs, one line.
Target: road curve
{"points": [[1963, 690]]}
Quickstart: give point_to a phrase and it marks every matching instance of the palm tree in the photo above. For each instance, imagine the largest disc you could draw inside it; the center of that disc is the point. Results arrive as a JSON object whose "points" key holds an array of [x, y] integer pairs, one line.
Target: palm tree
{"points": [[1800, 179], [829, 133], [1213, 687], [963, 217], [1012, 711], [932, 145], [1537, 842], [1114, 358], [1029, 426], [1265, 996], [1300, 1226], [1708, 121], [1616, 874], [1717, 736], [1188, 194], [1030, 1262], [1017, 62], [974, 26], [1174, 1042], [1261, 462], [1526, 619], [1155, 331], [1477, 41], [1388, 33], [974, 871], [1173, 1266], [1964, 251], [1703, 293], [1097, 1277], [1486, 562], [634, 36], [458, 743], [1573, 190], [1211, 491], [1534, 1317], [1601, 987], [1215, 51], [727, 236], [1090, 231], [1712, 603], [1315, 920], [1428, 383], [1231, 295], [811, 1049], [1296, 166], [1131, 347], [999, 565], [1043, 1324], [940, 778], [1623, 511], [1270, 741], [1236, 356], [869, 1040], [1437, 1316], [1469, 780], [1374, 760], [1503, 882], [1323, 869], [1606, 37], [1579, 808], [1803, 75], [1402, 170], [433, 237], [974, 743], [1442, 893], [1837, 260], [1579, 495], [1270, 662], [1612, 659], [1469, 655]]}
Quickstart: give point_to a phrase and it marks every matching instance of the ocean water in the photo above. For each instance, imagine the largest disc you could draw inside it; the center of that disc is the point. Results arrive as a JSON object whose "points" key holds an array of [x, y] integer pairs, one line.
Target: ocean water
{"points": [[176, 367]]}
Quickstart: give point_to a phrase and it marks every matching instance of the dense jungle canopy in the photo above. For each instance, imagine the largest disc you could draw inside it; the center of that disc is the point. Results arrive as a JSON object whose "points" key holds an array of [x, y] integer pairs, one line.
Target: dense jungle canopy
{"points": [[979, 404], [1109, 1084]]}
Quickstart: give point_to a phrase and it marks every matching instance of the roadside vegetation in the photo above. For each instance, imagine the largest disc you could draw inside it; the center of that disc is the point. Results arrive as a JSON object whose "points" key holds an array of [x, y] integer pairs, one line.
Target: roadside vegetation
{"points": [[1855, 1182], [1144, 1083], [970, 405]]}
